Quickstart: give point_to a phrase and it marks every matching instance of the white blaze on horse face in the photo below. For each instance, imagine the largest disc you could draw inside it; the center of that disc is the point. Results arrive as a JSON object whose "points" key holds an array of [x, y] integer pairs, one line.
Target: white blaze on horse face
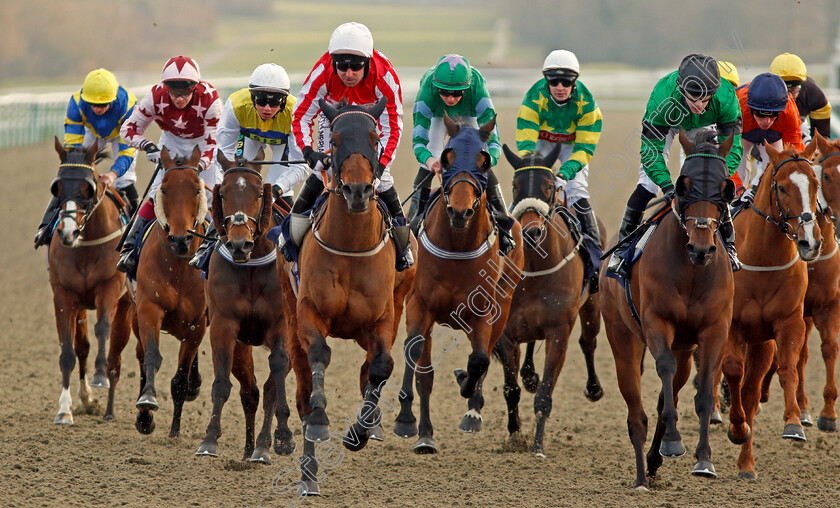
{"points": [[240, 182], [69, 225], [801, 181]]}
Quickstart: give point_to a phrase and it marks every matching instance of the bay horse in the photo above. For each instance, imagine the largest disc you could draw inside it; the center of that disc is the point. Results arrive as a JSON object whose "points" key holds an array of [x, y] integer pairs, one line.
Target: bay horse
{"points": [[546, 303], [349, 287], [170, 294], [82, 271], [244, 305], [682, 286], [462, 283], [775, 239]]}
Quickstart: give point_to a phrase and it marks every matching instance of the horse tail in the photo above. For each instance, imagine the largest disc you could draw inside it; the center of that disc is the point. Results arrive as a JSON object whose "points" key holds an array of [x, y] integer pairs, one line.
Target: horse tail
{"points": [[503, 349]]}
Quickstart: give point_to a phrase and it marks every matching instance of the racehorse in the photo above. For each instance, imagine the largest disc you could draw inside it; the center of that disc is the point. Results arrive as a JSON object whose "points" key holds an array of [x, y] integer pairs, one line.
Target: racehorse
{"points": [[170, 293], [462, 283], [82, 270], [546, 303], [349, 287], [681, 289], [774, 237], [244, 302]]}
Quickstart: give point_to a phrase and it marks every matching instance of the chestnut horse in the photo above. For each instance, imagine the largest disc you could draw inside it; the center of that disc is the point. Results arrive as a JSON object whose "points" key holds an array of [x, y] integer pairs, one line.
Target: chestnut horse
{"points": [[682, 287], [775, 236], [170, 293], [546, 303], [462, 283], [244, 303], [82, 270], [349, 287]]}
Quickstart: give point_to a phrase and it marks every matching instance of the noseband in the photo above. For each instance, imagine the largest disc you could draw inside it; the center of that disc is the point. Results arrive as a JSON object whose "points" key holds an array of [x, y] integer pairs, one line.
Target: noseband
{"points": [[783, 225], [699, 222], [240, 218], [544, 217], [478, 191], [91, 204]]}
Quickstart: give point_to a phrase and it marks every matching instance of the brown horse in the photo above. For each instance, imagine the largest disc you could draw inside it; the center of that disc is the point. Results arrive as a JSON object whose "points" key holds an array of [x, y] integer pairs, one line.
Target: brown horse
{"points": [[546, 303], [170, 293], [462, 283], [682, 287], [775, 236], [349, 287], [82, 269], [244, 302]]}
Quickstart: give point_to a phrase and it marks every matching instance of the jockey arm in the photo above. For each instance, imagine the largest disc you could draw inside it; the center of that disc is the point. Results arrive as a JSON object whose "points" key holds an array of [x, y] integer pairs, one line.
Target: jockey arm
{"points": [[135, 126], [211, 121], [587, 132]]}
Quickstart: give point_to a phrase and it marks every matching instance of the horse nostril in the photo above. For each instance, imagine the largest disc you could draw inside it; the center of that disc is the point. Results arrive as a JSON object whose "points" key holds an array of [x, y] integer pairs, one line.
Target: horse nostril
{"points": [[450, 211], [247, 246], [468, 213], [166, 228], [712, 249], [171, 238], [690, 249], [368, 190]]}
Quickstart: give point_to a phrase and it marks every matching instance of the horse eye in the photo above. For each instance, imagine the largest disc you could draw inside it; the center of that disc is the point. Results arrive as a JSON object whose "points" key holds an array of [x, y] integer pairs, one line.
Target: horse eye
{"points": [[828, 178], [782, 189], [221, 195]]}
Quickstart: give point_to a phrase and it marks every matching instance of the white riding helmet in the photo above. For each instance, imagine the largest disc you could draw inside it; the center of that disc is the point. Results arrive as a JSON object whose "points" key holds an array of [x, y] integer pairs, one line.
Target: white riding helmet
{"points": [[561, 60], [351, 38], [270, 77]]}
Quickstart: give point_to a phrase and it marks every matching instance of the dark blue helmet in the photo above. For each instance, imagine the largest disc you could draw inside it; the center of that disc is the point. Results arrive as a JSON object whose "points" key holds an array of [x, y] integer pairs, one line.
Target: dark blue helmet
{"points": [[767, 92]]}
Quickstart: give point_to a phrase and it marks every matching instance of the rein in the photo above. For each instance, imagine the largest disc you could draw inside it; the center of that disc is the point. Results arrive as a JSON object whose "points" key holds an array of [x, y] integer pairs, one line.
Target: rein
{"points": [[344, 252], [90, 209], [827, 210]]}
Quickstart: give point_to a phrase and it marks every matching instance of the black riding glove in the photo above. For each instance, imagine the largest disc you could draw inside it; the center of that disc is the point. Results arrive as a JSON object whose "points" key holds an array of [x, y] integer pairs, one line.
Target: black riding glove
{"points": [[668, 191], [312, 157]]}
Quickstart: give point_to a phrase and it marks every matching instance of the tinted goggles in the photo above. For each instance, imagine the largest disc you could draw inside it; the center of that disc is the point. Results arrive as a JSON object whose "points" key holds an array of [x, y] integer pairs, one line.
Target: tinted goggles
{"points": [[566, 81], [792, 85], [180, 88], [765, 114], [271, 100], [450, 93]]}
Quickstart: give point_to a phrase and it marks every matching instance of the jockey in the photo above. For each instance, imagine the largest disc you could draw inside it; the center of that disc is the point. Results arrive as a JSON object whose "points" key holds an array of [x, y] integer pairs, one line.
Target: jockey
{"points": [[770, 117], [456, 88], [94, 115], [560, 109], [257, 117], [729, 73], [187, 110], [692, 98], [810, 99], [351, 71]]}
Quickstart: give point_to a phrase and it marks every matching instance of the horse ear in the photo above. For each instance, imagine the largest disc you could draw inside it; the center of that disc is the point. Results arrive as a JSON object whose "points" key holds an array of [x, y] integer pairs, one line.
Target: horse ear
{"points": [[195, 156], [824, 146], [809, 150], [486, 130], [379, 107], [723, 151], [482, 160], [551, 157], [688, 146], [451, 127], [772, 152], [329, 111], [260, 154], [165, 159], [512, 158], [223, 161], [447, 158], [60, 150], [683, 186], [90, 153], [727, 190], [216, 210], [265, 212]]}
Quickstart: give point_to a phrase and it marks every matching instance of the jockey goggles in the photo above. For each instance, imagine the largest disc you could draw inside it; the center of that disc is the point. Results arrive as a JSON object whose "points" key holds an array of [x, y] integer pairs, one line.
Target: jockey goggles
{"points": [[793, 85], [344, 62], [272, 100], [180, 88], [450, 93], [566, 81], [765, 114]]}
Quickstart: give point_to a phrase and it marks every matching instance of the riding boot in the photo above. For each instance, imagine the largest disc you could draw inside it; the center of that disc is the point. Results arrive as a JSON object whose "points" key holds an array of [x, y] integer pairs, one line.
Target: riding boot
{"points": [[496, 201], [392, 201], [632, 219], [44, 234], [727, 234], [312, 188], [127, 264], [422, 189], [209, 241], [589, 227], [131, 197]]}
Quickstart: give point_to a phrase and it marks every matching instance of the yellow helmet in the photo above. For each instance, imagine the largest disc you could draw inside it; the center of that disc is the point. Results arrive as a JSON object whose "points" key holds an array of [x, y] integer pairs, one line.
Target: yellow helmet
{"points": [[100, 87], [729, 72], [789, 67]]}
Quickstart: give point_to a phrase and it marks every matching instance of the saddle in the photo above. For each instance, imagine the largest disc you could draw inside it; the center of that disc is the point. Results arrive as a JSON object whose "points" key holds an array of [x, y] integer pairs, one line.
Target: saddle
{"points": [[141, 241], [590, 251]]}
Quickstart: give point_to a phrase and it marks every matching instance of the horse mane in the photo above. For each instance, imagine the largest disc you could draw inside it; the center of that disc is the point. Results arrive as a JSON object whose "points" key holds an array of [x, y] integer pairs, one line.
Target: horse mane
{"points": [[533, 158], [706, 142]]}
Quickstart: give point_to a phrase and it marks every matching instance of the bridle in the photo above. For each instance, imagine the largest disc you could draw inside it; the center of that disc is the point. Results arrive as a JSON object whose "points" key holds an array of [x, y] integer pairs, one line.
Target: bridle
{"points": [[552, 209], [699, 222], [240, 218], [199, 219], [336, 160], [783, 225], [478, 191], [91, 203], [826, 210]]}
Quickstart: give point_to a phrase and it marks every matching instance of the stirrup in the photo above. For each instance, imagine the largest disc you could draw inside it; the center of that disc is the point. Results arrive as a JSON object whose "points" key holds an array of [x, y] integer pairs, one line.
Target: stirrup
{"points": [[405, 260], [126, 262], [733, 258], [616, 265], [41, 236], [506, 243]]}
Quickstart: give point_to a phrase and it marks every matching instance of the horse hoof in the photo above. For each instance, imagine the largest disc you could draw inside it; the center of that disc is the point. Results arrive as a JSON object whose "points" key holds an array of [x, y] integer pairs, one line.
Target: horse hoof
{"points": [[145, 423], [100, 381], [805, 419], [63, 419], [317, 433], [147, 402], [672, 449], [641, 488], [705, 469], [355, 438], [108, 417], [460, 376], [747, 475], [284, 446], [308, 488], [595, 394], [471, 422], [737, 440], [425, 446], [405, 430], [208, 449], [192, 394], [827, 424], [260, 455], [377, 433], [716, 417], [794, 432], [538, 453], [758, 409]]}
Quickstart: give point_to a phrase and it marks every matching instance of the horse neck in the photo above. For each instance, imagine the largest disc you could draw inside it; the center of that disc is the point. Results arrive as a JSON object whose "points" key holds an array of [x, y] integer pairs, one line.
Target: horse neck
{"points": [[103, 220], [350, 231], [559, 242], [827, 230], [469, 239], [763, 239]]}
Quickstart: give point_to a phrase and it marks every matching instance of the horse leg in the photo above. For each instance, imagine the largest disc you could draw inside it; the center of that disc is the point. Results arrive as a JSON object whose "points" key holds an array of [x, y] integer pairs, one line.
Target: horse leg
{"points": [[223, 333], [376, 433], [309, 478], [263, 443], [179, 386], [82, 348], [530, 378], [471, 422], [419, 325], [590, 327], [717, 416], [512, 392], [557, 343], [120, 334], [828, 323], [759, 358], [732, 367], [768, 378], [801, 396], [381, 365], [790, 335], [660, 336], [145, 420], [425, 381], [278, 362], [194, 381], [708, 356], [249, 392], [478, 361], [66, 312], [150, 319], [106, 307], [312, 333]]}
